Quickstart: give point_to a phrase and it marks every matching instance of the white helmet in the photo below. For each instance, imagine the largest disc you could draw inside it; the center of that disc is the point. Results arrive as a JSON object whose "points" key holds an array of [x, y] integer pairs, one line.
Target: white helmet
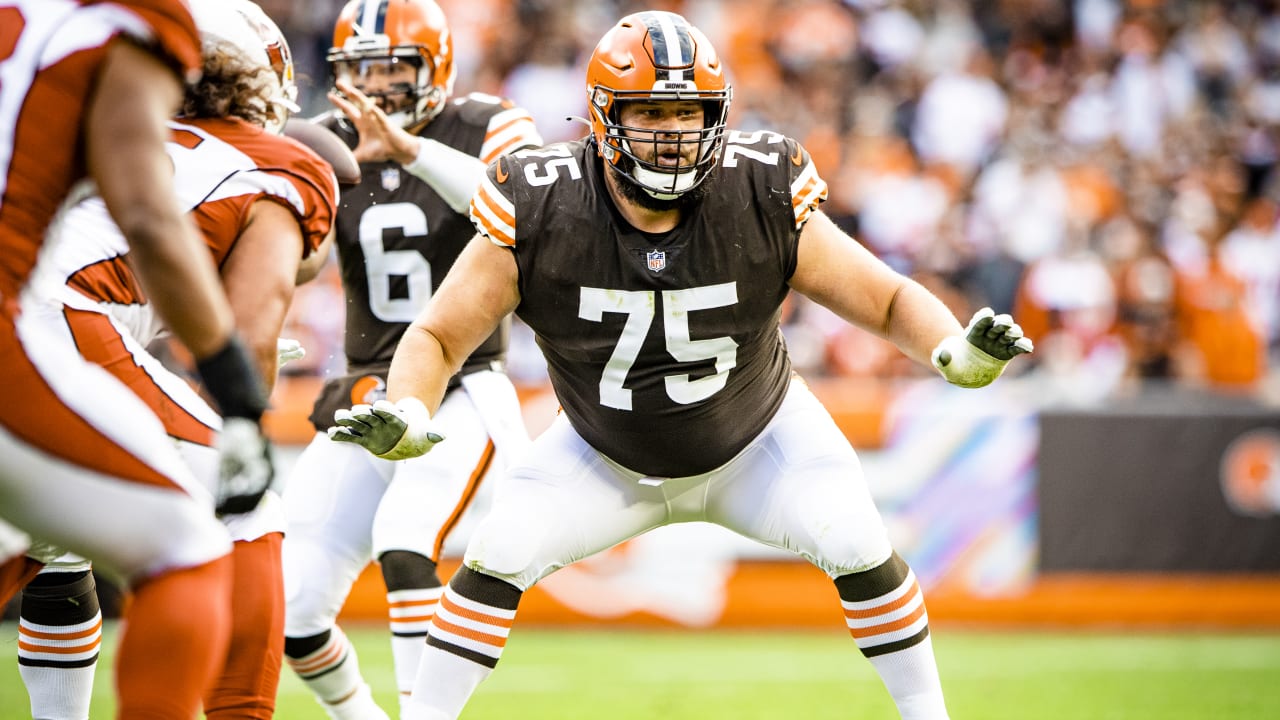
{"points": [[244, 25]]}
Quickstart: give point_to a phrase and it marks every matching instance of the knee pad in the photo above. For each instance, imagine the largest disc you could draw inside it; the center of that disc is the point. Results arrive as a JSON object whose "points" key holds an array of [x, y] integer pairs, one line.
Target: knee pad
{"points": [[405, 570]]}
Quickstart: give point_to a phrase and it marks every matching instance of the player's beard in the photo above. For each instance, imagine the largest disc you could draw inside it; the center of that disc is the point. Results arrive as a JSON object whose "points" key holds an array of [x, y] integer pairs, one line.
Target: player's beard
{"points": [[636, 195]]}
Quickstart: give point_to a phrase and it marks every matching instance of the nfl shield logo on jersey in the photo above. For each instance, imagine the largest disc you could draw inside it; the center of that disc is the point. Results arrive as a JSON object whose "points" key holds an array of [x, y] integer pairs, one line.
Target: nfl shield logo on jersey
{"points": [[390, 178], [657, 260]]}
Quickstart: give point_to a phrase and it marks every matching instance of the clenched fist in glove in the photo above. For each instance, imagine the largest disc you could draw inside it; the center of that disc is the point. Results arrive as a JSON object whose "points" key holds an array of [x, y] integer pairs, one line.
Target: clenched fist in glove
{"points": [[978, 357], [244, 464], [392, 431]]}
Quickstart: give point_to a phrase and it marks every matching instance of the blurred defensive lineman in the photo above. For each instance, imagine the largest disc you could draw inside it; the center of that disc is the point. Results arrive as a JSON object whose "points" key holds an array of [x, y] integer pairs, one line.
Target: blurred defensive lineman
{"points": [[399, 232], [266, 206], [651, 259], [85, 90]]}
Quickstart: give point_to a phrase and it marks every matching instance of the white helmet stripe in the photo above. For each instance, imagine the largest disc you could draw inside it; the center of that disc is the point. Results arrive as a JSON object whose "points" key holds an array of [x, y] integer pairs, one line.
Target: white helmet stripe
{"points": [[373, 18]]}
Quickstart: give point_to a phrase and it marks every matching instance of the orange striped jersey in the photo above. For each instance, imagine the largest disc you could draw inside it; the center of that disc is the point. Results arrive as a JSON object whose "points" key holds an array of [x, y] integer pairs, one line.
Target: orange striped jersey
{"points": [[50, 51], [221, 168], [664, 349]]}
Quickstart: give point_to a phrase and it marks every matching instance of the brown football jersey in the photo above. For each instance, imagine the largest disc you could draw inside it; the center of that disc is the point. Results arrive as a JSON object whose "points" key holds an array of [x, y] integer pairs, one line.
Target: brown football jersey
{"points": [[664, 349], [396, 240]]}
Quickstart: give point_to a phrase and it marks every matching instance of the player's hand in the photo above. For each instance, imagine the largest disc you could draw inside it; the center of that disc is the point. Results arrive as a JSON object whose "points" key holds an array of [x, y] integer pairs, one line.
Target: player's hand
{"points": [[392, 431], [976, 359], [244, 466], [380, 139], [288, 349]]}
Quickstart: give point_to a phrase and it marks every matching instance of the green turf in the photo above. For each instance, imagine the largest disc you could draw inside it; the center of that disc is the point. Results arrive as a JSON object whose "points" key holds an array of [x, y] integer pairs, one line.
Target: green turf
{"points": [[628, 675]]}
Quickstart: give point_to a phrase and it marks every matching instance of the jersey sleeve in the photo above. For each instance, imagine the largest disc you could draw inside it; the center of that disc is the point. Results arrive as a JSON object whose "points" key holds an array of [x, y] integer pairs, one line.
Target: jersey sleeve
{"points": [[493, 208], [170, 31], [510, 129], [315, 194], [808, 189]]}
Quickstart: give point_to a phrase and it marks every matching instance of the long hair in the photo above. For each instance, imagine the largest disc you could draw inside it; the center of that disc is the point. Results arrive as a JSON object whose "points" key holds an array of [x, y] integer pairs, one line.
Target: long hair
{"points": [[232, 87]]}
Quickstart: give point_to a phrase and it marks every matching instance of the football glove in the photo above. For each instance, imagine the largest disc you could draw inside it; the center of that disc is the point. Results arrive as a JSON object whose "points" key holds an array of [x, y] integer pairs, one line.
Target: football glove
{"points": [[392, 431], [244, 466], [288, 349], [978, 357]]}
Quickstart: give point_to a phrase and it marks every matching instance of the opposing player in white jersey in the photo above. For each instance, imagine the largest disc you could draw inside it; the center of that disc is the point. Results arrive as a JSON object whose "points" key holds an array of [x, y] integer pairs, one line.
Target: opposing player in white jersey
{"points": [[399, 232], [85, 90], [265, 204], [651, 259]]}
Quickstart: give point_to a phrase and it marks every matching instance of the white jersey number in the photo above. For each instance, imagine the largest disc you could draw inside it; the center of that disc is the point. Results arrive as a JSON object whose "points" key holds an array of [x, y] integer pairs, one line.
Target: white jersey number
{"points": [[381, 264], [640, 308]]}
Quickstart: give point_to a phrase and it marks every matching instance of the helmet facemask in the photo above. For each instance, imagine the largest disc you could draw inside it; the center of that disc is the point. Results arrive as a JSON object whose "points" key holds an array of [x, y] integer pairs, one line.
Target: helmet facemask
{"points": [[407, 104], [621, 144]]}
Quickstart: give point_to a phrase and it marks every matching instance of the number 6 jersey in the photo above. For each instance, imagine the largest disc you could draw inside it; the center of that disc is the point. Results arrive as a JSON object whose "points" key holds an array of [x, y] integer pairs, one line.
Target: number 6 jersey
{"points": [[396, 240], [664, 349]]}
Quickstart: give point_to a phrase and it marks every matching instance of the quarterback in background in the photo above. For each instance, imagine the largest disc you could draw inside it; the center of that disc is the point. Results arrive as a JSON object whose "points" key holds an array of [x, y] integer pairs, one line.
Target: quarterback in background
{"points": [[399, 232], [265, 204], [651, 260]]}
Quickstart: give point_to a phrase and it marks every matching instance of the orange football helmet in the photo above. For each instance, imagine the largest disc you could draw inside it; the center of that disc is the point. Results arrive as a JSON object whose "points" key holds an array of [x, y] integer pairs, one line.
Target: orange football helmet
{"points": [[374, 35], [656, 56]]}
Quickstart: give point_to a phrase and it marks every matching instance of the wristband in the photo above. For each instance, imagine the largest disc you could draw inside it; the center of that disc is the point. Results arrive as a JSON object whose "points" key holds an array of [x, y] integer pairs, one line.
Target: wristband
{"points": [[233, 382]]}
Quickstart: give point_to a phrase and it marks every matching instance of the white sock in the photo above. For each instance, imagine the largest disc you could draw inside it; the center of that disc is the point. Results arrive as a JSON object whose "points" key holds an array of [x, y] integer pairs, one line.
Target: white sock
{"points": [[333, 675], [410, 615], [59, 693], [911, 677], [59, 636], [444, 684]]}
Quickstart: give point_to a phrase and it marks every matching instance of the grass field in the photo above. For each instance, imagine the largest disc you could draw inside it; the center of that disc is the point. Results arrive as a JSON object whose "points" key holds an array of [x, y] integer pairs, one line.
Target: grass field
{"points": [[629, 675]]}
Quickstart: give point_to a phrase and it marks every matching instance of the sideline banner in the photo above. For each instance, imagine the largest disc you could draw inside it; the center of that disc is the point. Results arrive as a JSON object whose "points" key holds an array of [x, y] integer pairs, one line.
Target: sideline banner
{"points": [[1180, 484]]}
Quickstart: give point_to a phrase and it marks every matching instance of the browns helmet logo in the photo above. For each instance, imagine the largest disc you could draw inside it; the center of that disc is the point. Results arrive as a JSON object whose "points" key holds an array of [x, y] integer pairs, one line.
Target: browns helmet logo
{"points": [[1250, 473], [368, 390]]}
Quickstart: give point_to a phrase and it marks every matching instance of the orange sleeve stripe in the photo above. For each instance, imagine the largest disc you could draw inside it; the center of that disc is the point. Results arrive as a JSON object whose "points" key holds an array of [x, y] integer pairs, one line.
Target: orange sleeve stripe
{"points": [[887, 608], [70, 650], [873, 630], [494, 232], [468, 633], [483, 195], [803, 196], [490, 156], [479, 617], [25, 632]]}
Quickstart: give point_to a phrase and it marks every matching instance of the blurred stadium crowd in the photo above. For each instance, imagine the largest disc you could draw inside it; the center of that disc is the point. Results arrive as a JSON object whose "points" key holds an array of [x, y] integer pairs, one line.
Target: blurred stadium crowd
{"points": [[1101, 168]]}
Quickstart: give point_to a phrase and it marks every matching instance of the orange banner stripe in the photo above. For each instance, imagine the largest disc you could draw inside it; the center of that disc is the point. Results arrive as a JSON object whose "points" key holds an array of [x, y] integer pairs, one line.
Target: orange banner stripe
{"points": [[480, 617], [887, 607]]}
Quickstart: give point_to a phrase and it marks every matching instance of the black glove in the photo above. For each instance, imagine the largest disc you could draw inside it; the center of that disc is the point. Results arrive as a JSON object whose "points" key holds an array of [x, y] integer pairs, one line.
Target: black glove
{"points": [[245, 470]]}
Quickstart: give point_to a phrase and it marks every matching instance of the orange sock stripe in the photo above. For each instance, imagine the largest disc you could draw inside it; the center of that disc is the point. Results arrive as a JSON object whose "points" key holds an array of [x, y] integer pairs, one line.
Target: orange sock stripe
{"points": [[411, 603], [330, 656], [412, 618], [495, 640], [907, 597], [59, 649], [40, 635], [871, 630], [479, 617]]}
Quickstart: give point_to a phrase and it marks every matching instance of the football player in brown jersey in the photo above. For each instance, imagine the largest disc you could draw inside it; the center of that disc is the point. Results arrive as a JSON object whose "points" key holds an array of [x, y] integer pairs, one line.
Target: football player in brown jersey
{"points": [[651, 259], [88, 88], [422, 153]]}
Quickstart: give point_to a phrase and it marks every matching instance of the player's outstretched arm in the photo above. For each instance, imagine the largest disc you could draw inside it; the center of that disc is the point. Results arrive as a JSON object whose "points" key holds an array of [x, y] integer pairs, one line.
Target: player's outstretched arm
{"points": [[479, 291], [835, 270]]}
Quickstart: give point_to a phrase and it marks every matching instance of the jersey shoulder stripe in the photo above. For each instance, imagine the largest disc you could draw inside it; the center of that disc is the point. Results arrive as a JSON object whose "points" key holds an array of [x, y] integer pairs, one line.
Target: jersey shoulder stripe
{"points": [[493, 214], [509, 130]]}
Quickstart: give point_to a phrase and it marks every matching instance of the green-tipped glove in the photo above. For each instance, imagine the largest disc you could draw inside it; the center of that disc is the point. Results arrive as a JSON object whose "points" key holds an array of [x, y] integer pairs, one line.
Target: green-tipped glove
{"points": [[392, 431], [978, 357]]}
